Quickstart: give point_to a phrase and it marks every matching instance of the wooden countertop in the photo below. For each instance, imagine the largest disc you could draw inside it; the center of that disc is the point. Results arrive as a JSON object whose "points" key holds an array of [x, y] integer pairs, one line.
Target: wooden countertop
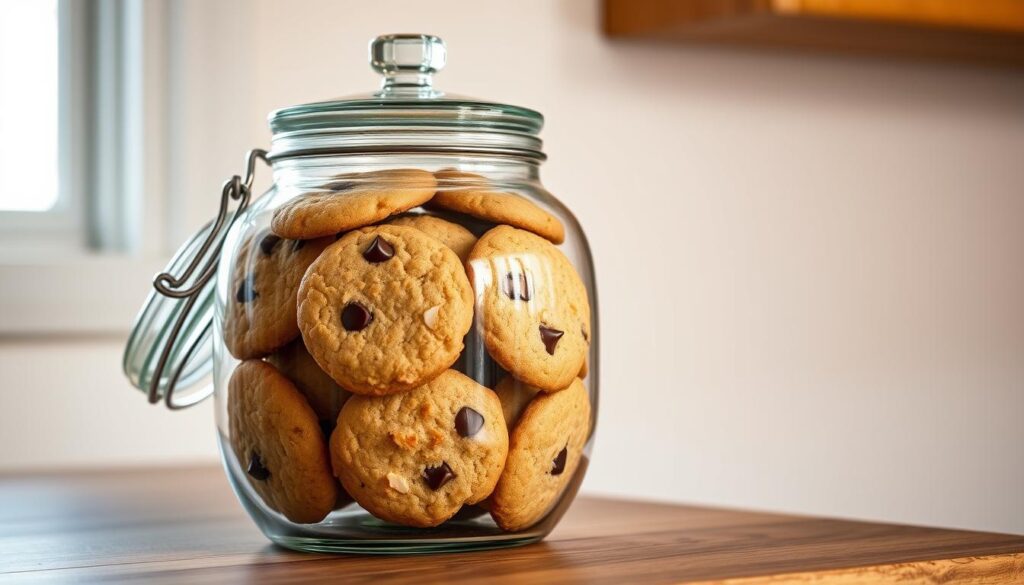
{"points": [[183, 525]]}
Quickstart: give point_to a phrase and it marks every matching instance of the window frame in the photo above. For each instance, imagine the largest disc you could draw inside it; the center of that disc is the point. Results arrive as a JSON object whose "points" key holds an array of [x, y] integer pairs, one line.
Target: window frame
{"points": [[58, 227], [84, 267]]}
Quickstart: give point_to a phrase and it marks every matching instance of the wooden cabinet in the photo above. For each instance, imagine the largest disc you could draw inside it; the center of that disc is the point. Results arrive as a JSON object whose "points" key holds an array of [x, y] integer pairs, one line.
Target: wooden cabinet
{"points": [[976, 30]]}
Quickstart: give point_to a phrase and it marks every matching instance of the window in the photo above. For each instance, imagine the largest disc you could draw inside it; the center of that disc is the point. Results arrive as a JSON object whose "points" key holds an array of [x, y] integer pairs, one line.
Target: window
{"points": [[41, 116], [140, 89], [71, 118], [81, 81], [28, 106]]}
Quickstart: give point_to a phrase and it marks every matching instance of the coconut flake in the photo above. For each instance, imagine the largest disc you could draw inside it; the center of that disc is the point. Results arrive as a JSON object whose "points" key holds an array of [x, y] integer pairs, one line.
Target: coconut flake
{"points": [[430, 316], [398, 483]]}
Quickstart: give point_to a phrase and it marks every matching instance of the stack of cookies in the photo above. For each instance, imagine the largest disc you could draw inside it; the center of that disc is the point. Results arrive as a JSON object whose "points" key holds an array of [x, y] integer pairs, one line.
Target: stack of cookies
{"points": [[357, 318]]}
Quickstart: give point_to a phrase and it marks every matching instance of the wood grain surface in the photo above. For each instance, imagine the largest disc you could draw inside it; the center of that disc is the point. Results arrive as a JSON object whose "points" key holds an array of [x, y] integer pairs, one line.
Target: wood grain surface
{"points": [[951, 30], [183, 525]]}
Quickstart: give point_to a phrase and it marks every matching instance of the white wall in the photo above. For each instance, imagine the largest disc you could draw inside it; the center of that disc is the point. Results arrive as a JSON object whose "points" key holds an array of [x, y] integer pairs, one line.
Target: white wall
{"points": [[811, 269]]}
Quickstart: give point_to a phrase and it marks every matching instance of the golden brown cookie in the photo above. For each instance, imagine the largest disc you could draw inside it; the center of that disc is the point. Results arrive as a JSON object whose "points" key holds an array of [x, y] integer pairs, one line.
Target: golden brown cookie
{"points": [[385, 309], [545, 449], [323, 394], [260, 312], [453, 235], [276, 438], [472, 194], [532, 305], [355, 201], [514, 396], [415, 458]]}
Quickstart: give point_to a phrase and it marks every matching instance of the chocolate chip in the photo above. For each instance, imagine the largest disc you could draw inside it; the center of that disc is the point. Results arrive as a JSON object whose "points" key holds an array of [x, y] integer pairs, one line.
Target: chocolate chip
{"points": [[379, 251], [511, 291], [558, 465], [586, 337], [298, 245], [438, 476], [256, 469], [550, 338], [268, 243], [355, 317], [468, 422], [246, 292]]}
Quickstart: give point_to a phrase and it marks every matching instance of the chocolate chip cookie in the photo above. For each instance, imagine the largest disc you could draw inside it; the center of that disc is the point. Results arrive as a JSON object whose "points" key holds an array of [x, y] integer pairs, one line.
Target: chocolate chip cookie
{"points": [[323, 393], [276, 438], [356, 200], [473, 195], [545, 449], [415, 458], [453, 235], [533, 307], [260, 312], [385, 309], [514, 396]]}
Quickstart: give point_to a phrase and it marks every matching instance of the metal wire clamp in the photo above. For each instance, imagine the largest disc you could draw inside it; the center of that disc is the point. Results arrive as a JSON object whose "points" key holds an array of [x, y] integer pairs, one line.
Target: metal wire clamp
{"points": [[177, 287]]}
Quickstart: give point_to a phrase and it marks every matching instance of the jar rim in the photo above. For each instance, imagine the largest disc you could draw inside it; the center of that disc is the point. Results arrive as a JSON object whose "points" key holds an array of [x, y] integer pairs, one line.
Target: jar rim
{"points": [[435, 111], [404, 139]]}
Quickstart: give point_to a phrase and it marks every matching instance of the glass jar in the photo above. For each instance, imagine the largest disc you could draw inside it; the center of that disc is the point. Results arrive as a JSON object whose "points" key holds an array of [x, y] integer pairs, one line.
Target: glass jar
{"points": [[401, 332]]}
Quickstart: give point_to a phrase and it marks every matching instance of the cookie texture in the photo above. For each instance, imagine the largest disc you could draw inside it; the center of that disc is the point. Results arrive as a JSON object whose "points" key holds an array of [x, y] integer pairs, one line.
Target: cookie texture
{"points": [[416, 458], [514, 396], [545, 449], [260, 311], [276, 438], [354, 200], [532, 305], [324, 395], [471, 194], [385, 309], [453, 235]]}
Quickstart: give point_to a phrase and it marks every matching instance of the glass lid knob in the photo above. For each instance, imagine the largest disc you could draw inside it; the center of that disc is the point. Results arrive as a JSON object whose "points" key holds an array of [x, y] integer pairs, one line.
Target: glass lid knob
{"points": [[407, 62]]}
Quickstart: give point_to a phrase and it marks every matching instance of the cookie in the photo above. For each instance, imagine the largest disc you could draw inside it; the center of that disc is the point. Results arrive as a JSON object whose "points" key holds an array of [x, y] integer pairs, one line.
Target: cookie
{"points": [[324, 395], [385, 309], [545, 448], [416, 458], [533, 307], [471, 194], [276, 438], [514, 396], [356, 200], [260, 312], [453, 235]]}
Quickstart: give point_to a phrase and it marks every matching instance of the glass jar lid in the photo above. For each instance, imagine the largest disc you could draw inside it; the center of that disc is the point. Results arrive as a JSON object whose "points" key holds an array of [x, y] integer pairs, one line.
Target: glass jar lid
{"points": [[407, 113], [171, 341]]}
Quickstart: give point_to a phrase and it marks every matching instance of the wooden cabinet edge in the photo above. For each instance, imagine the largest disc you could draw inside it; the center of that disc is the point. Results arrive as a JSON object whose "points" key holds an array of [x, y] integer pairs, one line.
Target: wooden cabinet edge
{"points": [[994, 16], [815, 24]]}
